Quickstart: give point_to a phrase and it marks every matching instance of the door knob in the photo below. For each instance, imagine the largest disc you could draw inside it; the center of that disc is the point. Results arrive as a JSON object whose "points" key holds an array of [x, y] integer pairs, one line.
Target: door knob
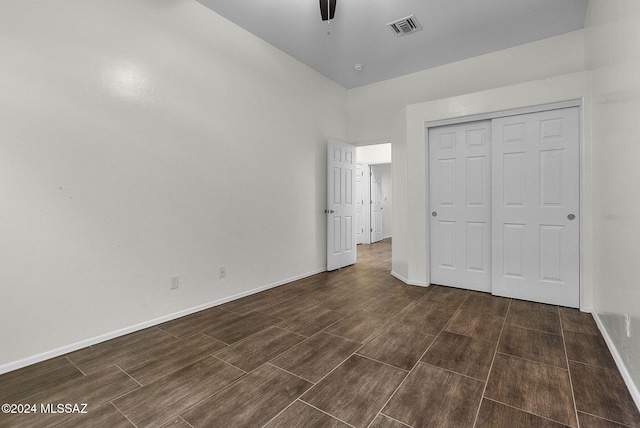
{"points": [[435, 214], [571, 216]]}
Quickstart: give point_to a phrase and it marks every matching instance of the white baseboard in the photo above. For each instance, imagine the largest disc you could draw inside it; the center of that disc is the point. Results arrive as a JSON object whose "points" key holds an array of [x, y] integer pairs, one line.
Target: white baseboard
{"points": [[631, 386], [406, 281], [5, 368]]}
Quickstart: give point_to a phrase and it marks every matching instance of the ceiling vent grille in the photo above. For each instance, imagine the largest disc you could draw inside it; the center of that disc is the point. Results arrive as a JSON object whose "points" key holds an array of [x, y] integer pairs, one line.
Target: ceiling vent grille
{"points": [[405, 26]]}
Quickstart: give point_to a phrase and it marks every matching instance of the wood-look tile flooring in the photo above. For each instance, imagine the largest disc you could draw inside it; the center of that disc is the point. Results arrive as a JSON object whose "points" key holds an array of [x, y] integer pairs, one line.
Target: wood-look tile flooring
{"points": [[355, 347]]}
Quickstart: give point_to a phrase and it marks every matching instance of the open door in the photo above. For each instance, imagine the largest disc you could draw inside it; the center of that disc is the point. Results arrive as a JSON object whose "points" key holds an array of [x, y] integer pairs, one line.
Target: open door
{"points": [[341, 225], [375, 190]]}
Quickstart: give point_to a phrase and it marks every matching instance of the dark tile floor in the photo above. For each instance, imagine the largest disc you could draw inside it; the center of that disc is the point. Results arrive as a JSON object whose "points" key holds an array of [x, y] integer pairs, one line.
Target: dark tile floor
{"points": [[355, 347]]}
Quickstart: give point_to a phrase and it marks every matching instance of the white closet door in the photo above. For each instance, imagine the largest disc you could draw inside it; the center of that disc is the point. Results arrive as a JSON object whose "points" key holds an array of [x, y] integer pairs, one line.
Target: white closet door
{"points": [[535, 210], [460, 202]]}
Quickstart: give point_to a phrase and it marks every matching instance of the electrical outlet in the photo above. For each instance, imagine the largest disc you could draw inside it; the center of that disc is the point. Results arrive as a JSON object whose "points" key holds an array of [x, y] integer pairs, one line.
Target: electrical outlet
{"points": [[627, 324], [175, 282], [222, 272]]}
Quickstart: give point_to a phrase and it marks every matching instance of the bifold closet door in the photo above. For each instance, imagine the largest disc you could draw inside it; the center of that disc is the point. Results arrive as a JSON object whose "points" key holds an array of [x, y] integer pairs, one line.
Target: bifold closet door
{"points": [[460, 205], [535, 207]]}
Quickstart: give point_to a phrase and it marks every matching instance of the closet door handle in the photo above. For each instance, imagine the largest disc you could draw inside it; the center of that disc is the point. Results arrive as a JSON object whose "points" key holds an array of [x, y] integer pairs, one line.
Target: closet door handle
{"points": [[435, 214]]}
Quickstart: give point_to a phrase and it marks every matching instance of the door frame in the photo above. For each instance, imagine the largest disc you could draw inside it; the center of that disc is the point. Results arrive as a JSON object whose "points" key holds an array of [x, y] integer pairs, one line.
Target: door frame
{"points": [[378, 185], [366, 191], [505, 113]]}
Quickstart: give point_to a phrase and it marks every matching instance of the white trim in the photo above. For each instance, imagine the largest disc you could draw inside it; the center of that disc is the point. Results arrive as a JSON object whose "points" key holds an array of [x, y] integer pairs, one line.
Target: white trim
{"points": [[504, 113], [146, 324], [626, 376], [406, 281]]}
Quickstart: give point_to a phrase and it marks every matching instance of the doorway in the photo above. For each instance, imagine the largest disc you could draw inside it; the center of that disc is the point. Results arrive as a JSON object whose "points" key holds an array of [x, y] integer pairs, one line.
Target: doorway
{"points": [[381, 204], [374, 188], [504, 202]]}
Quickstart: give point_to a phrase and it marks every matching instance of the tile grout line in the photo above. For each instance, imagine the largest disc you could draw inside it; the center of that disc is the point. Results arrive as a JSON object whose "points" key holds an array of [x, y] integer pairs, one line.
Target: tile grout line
{"points": [[292, 374], [320, 410], [414, 366], [493, 360], [381, 362], [180, 368], [305, 338], [171, 334], [283, 410], [566, 357], [131, 377], [520, 410], [331, 371], [591, 365], [237, 342], [452, 371], [216, 392], [182, 419], [364, 342], [336, 321], [393, 419], [606, 419], [76, 366], [341, 363], [533, 361], [120, 411]]}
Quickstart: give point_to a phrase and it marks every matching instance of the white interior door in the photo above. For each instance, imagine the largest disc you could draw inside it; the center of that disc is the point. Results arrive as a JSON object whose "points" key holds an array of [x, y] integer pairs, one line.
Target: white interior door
{"points": [[536, 204], [341, 179], [460, 202], [359, 203], [376, 206]]}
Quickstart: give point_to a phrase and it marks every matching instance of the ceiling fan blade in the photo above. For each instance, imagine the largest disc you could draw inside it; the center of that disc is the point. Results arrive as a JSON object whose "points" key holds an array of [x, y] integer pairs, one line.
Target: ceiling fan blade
{"points": [[327, 9]]}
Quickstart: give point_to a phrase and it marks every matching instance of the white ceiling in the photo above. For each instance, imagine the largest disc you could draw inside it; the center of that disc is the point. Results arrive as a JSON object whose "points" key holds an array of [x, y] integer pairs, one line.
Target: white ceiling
{"points": [[453, 30]]}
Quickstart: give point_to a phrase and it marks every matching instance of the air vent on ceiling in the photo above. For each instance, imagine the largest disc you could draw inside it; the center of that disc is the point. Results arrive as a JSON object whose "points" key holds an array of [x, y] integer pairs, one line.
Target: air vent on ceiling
{"points": [[405, 26]]}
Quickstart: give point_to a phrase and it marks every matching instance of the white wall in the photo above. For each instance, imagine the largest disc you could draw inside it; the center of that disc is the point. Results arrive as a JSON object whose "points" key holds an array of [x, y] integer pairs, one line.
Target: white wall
{"points": [[613, 41], [377, 153], [141, 140], [372, 106]]}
